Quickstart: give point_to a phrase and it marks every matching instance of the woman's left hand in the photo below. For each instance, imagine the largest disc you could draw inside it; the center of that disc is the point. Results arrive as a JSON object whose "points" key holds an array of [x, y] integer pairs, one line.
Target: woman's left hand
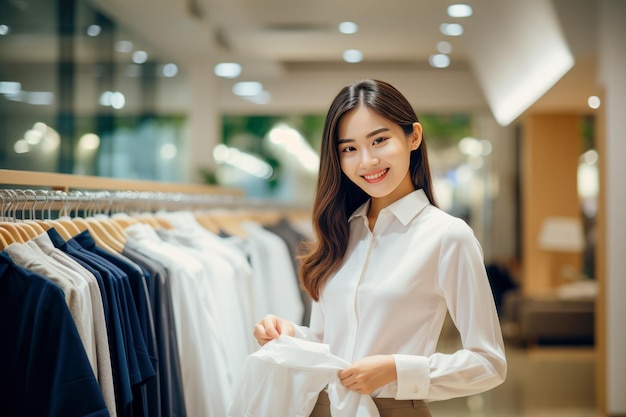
{"points": [[368, 374]]}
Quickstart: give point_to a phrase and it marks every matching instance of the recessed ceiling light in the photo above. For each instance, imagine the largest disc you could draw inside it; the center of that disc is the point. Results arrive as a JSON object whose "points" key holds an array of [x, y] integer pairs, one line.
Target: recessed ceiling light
{"points": [[124, 46], [4, 29], [113, 99], [264, 97], [139, 57], [444, 47], [348, 27], [451, 29], [169, 70], [439, 60], [10, 87], [593, 102], [352, 55], [94, 30], [459, 10], [227, 70], [247, 88]]}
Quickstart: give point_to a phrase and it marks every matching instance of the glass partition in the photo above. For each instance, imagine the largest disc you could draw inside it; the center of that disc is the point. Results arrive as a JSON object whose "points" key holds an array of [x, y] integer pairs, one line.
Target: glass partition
{"points": [[80, 94]]}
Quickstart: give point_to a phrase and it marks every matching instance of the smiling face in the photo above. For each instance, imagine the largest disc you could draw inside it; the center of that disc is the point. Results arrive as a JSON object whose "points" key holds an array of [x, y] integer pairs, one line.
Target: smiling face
{"points": [[374, 153]]}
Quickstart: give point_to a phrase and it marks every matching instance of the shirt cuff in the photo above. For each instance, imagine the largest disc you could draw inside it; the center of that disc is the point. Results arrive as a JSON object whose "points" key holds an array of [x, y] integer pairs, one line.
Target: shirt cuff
{"points": [[413, 377]]}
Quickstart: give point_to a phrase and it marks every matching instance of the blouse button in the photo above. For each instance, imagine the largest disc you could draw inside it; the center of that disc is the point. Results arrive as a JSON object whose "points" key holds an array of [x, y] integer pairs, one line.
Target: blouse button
{"points": [[417, 390]]}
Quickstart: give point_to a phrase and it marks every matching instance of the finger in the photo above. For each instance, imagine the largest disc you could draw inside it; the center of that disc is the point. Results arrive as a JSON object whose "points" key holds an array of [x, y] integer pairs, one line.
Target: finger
{"points": [[259, 331], [264, 341], [272, 332], [347, 381], [345, 373], [353, 386], [348, 384]]}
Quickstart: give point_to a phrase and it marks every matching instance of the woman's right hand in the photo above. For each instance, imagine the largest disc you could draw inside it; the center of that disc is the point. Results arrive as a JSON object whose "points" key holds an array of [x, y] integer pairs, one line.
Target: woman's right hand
{"points": [[271, 327]]}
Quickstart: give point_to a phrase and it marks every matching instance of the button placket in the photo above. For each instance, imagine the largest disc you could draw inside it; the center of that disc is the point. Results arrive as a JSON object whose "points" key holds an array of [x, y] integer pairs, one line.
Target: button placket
{"points": [[355, 309]]}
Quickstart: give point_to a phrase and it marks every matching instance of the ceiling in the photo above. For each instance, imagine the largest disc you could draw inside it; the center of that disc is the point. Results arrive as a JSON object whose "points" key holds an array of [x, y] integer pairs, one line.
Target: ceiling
{"points": [[295, 49]]}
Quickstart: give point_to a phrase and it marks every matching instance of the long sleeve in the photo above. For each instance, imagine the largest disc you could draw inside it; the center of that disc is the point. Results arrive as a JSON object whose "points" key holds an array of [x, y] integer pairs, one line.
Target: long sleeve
{"points": [[480, 364]]}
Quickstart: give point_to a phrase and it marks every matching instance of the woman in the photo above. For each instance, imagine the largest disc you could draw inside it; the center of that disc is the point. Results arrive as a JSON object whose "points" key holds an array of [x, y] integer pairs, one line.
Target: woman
{"points": [[388, 264]]}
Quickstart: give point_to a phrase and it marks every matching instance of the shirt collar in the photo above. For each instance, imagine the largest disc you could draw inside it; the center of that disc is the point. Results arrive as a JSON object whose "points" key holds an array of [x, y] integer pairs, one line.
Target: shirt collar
{"points": [[405, 209]]}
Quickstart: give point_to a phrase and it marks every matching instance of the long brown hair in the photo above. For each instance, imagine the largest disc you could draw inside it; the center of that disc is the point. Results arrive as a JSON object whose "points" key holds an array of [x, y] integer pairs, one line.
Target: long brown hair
{"points": [[336, 196]]}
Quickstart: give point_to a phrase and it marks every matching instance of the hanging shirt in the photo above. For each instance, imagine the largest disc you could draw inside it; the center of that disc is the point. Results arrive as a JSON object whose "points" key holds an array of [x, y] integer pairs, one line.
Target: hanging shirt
{"points": [[74, 286], [45, 370], [103, 356], [139, 292], [293, 238], [112, 303], [188, 231], [132, 321], [391, 295], [285, 377], [222, 298], [171, 402], [275, 282]]}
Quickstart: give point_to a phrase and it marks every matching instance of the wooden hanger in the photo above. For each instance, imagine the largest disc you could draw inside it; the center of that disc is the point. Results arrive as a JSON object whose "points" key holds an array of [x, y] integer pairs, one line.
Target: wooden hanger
{"points": [[5, 238], [42, 224], [70, 226], [31, 223], [113, 228], [147, 218], [29, 229], [10, 236], [96, 227], [207, 222], [60, 228], [46, 222], [64, 225], [123, 219], [24, 232], [19, 233], [125, 222], [35, 225], [24, 225], [14, 231], [164, 223], [153, 220], [230, 223], [95, 233], [267, 217]]}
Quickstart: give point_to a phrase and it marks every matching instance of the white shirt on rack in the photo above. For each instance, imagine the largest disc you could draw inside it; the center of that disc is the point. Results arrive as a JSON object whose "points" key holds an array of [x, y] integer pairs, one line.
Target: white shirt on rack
{"points": [[188, 231], [391, 294], [224, 302], [275, 281]]}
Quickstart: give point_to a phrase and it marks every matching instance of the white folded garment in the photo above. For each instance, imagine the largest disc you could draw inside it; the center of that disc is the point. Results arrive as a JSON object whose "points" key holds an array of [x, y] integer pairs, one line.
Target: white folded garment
{"points": [[285, 376]]}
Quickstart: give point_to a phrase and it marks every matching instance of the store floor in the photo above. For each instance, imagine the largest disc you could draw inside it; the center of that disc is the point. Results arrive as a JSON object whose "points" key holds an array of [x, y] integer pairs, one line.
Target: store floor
{"points": [[541, 382]]}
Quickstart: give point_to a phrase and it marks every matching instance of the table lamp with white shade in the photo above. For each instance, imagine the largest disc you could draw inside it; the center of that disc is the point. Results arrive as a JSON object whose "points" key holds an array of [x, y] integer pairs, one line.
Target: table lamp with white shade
{"points": [[563, 235]]}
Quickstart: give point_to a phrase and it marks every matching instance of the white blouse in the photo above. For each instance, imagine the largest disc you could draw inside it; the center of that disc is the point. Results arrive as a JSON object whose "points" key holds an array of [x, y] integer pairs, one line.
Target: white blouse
{"points": [[391, 294]]}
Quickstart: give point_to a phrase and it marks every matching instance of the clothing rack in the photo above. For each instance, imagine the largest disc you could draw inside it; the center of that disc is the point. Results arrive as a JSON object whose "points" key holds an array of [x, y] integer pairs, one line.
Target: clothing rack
{"points": [[68, 182], [58, 191], [67, 192], [30, 201]]}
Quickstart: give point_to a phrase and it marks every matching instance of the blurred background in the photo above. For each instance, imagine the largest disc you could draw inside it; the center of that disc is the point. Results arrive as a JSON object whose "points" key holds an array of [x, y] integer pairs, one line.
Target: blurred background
{"points": [[522, 103]]}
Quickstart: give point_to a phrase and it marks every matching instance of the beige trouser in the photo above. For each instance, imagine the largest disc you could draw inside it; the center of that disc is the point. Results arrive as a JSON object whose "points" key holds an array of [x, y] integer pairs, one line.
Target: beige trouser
{"points": [[388, 407]]}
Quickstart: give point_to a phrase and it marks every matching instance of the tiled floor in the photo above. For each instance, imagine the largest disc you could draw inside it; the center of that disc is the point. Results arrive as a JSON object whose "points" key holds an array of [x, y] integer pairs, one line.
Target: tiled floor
{"points": [[541, 382]]}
